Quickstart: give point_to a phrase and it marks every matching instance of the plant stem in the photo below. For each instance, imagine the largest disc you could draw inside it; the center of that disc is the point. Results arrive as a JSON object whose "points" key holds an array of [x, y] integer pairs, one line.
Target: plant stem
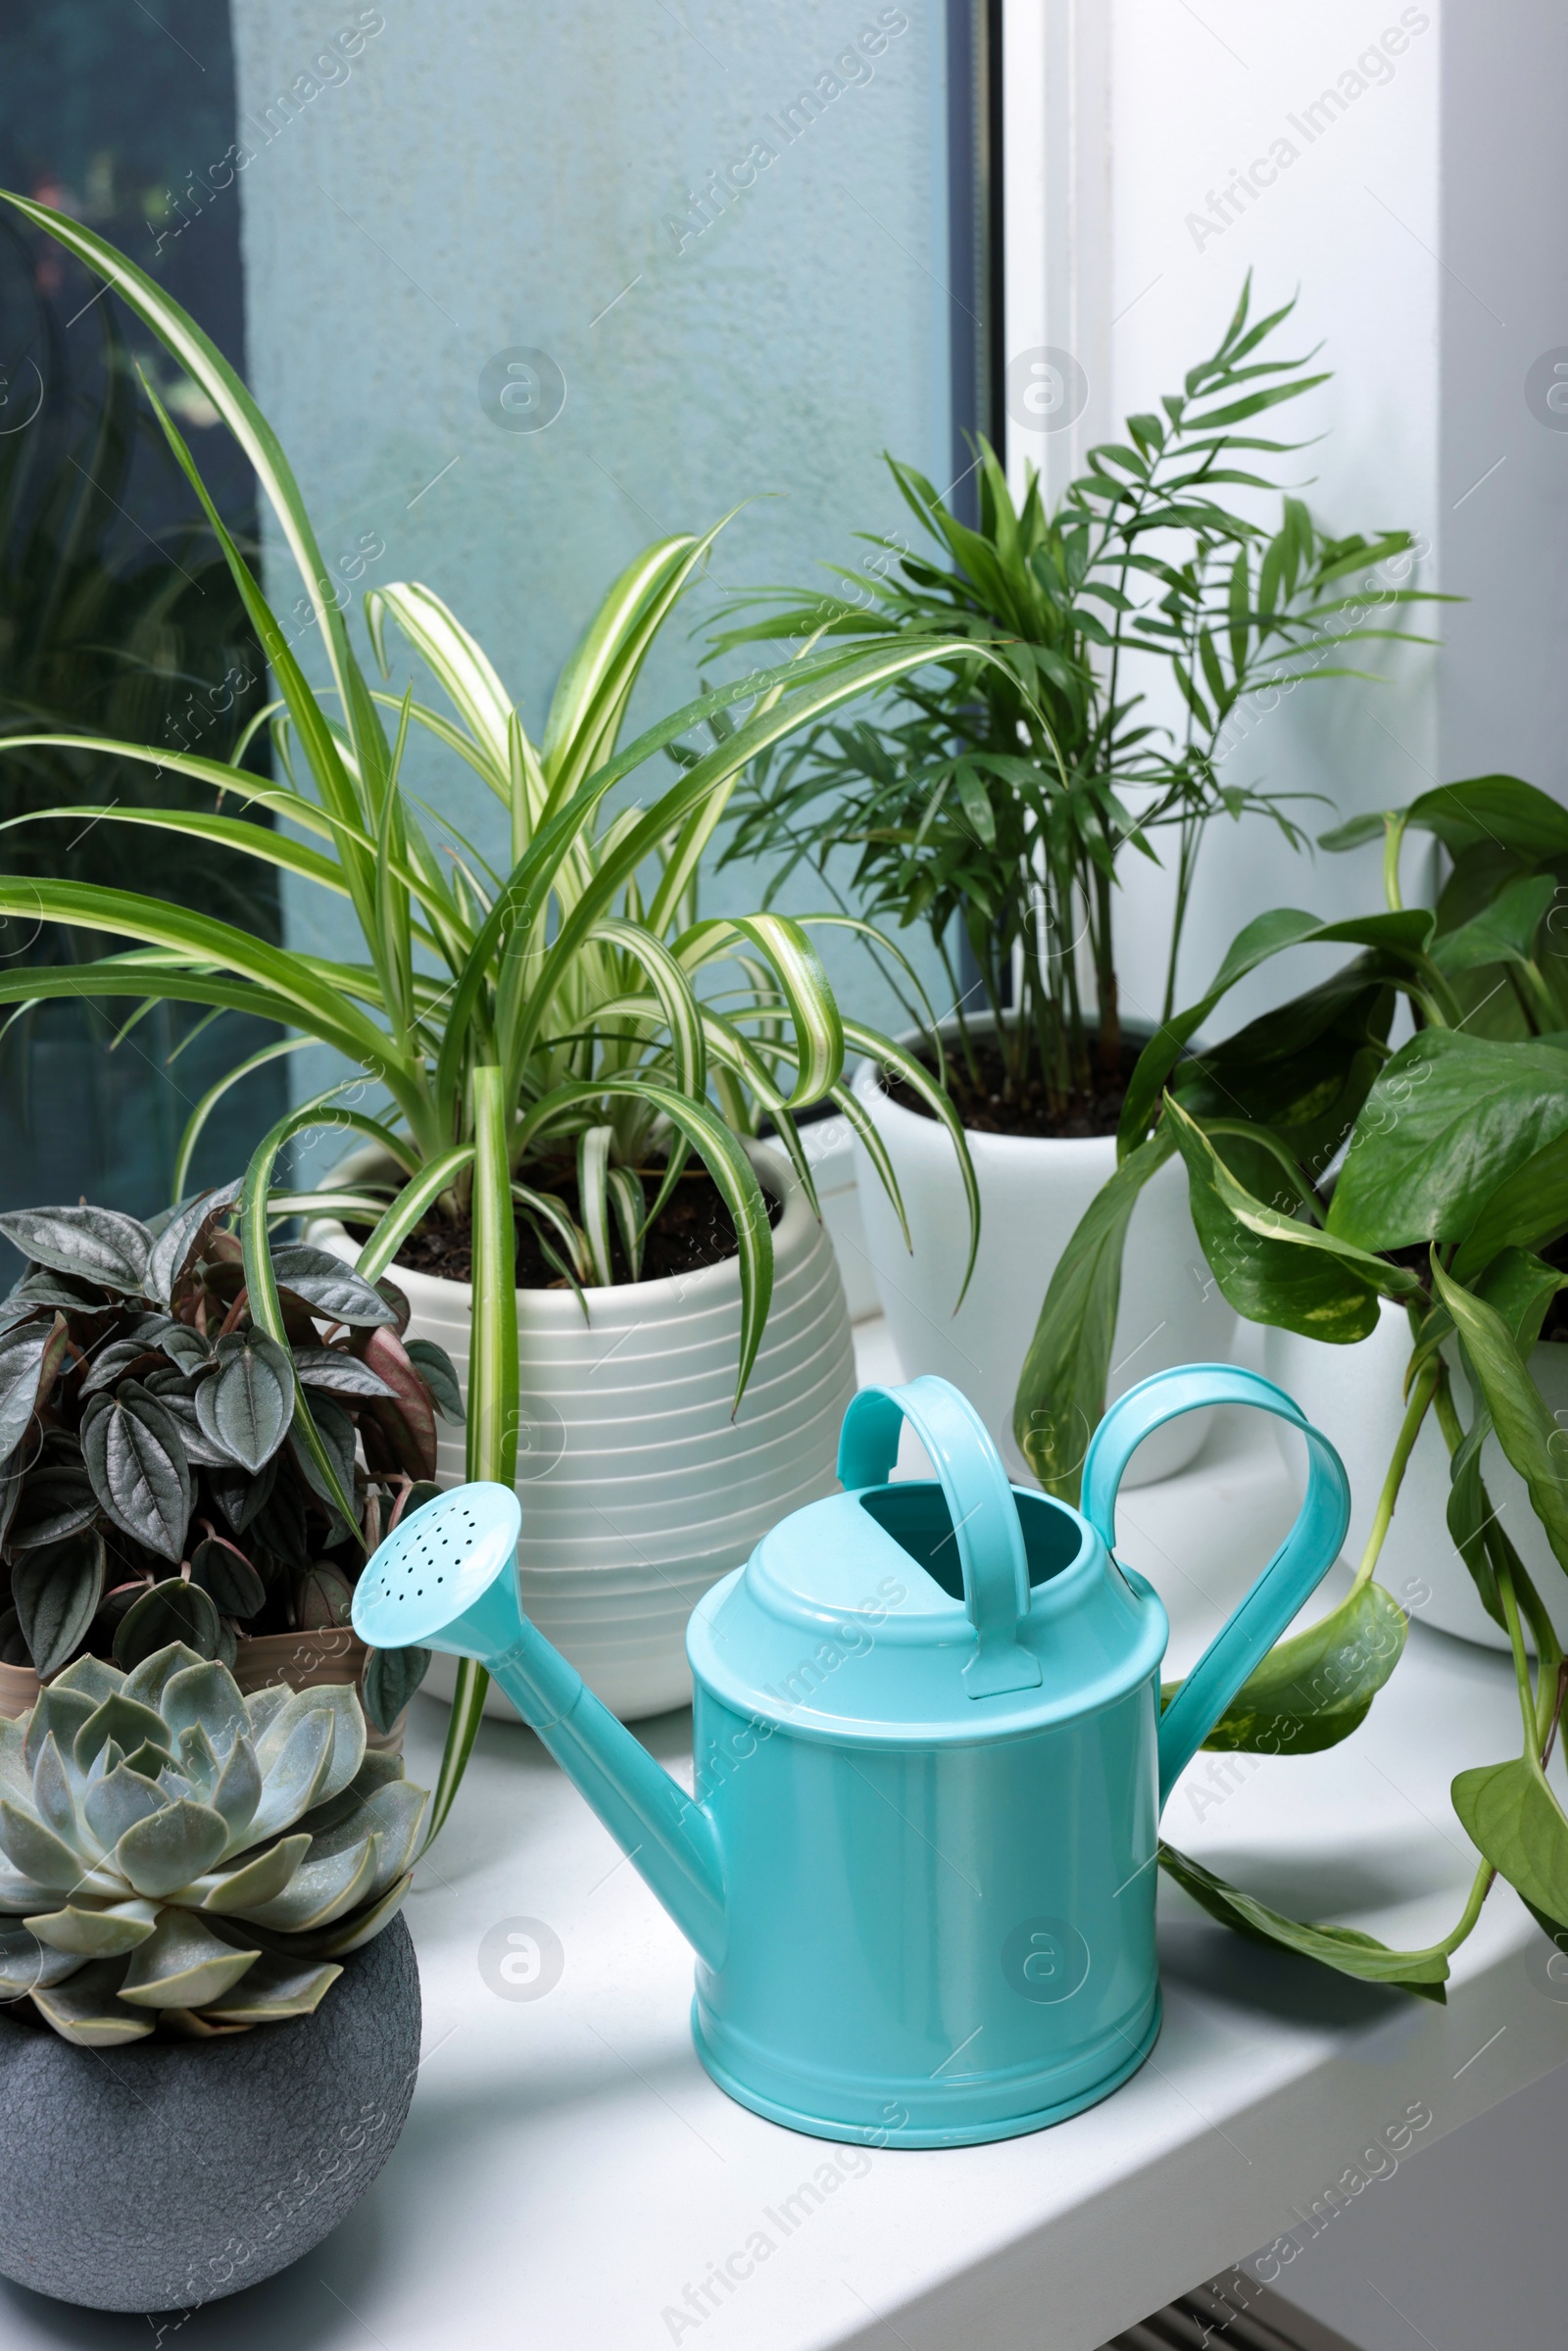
{"points": [[1480, 1885], [1409, 1428], [1392, 842], [492, 1438]]}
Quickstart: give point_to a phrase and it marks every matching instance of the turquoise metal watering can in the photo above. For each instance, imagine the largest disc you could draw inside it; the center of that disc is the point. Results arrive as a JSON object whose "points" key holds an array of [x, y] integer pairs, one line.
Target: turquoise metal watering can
{"points": [[918, 1869]]}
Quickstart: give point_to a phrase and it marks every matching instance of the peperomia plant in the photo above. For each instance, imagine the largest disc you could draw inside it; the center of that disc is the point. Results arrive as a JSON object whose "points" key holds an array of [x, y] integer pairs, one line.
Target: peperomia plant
{"points": [[1452, 1200], [155, 1480]]}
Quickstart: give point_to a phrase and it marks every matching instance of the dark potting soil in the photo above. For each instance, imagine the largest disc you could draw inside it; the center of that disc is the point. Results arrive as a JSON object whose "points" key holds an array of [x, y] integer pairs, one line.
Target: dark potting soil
{"points": [[986, 1109], [694, 1229]]}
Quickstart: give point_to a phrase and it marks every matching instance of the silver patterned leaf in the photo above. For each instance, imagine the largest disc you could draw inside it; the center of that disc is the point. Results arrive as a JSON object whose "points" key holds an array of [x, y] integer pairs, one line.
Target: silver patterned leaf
{"points": [[136, 1459], [89, 1244]]}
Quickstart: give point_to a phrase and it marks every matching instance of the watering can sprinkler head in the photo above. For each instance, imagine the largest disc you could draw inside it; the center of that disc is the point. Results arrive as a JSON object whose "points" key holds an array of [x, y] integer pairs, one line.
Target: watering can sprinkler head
{"points": [[444, 1577]]}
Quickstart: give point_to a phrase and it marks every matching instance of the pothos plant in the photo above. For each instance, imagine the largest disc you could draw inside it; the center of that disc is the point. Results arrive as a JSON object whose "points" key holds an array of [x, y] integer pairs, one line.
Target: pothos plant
{"points": [[577, 965], [992, 796], [154, 1484], [1452, 1200]]}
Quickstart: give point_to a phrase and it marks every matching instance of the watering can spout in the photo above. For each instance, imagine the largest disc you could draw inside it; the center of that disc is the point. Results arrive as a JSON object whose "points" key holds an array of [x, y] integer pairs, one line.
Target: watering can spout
{"points": [[664, 1833], [445, 1580]]}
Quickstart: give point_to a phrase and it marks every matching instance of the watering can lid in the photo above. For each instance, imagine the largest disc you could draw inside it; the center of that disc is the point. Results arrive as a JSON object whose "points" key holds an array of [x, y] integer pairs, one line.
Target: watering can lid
{"points": [[954, 1610]]}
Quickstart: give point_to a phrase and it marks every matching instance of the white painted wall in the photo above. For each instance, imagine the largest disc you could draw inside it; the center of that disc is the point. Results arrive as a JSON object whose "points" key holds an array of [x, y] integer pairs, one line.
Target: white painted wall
{"points": [[1341, 205]]}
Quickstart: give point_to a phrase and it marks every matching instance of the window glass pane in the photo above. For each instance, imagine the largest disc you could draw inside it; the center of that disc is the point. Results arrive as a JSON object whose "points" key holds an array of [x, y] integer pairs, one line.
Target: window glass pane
{"points": [[116, 613]]}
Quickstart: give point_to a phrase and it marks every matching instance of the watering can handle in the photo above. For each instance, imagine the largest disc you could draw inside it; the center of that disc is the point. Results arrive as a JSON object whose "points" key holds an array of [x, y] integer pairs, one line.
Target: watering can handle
{"points": [[979, 1499], [1291, 1577]]}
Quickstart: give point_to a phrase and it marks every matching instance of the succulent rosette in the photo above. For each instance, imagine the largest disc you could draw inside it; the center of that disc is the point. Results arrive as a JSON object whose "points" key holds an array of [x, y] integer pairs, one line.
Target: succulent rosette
{"points": [[175, 1854]]}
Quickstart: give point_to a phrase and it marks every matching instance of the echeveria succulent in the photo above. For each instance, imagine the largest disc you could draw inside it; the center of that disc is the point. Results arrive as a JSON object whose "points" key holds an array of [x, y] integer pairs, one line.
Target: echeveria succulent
{"points": [[154, 1484], [174, 1852]]}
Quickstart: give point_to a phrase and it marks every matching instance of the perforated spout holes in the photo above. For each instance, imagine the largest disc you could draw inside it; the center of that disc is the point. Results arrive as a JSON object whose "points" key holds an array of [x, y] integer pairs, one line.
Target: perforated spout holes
{"points": [[432, 1546]]}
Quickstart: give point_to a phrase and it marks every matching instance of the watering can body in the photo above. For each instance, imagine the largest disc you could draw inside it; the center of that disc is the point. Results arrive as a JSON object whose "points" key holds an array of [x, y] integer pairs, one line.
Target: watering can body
{"points": [[919, 1863]]}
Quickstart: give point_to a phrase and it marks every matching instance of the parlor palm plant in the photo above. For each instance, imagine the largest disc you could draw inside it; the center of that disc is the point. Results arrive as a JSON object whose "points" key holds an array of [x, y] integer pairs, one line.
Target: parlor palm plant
{"points": [[992, 797]]}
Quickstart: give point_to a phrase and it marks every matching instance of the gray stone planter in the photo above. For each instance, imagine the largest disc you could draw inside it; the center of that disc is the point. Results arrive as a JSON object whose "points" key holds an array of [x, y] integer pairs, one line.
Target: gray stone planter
{"points": [[163, 2174]]}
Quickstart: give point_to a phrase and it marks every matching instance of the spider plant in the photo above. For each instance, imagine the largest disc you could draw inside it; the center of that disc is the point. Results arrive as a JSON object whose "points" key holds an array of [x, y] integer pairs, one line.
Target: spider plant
{"points": [[577, 967]]}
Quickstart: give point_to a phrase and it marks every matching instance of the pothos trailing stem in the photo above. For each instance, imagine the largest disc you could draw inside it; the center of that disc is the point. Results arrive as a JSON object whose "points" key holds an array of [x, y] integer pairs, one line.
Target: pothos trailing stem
{"points": [[1421, 1396]]}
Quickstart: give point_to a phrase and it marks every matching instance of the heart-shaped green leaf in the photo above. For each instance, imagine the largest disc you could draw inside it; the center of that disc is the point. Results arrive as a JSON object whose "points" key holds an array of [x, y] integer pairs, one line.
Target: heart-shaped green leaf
{"points": [[160, 1855], [131, 1446], [1449, 1120], [391, 1678], [1503, 932], [335, 1372], [91, 1244], [29, 1357], [1527, 1211], [55, 1502], [1312, 1689], [225, 1574], [172, 1612], [247, 1408], [1513, 1817], [1526, 1431], [435, 1366], [1496, 810], [1272, 1267], [331, 1290], [56, 1592], [182, 1239], [1346, 1949]]}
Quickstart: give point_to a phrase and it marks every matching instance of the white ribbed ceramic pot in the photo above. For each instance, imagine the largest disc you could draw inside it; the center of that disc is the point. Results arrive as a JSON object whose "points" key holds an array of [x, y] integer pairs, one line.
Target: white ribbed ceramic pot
{"points": [[1033, 1191], [1353, 1395], [639, 1490]]}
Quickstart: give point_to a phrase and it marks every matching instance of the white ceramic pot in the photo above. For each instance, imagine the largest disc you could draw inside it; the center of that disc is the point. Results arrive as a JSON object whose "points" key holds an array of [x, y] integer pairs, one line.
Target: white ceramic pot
{"points": [[1353, 1395], [639, 1490], [829, 1147], [1033, 1191]]}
